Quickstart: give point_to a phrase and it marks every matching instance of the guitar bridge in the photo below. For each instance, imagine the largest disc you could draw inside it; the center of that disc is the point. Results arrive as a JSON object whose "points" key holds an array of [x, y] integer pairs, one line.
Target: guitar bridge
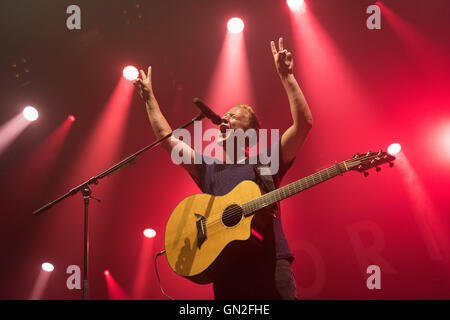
{"points": [[201, 229]]}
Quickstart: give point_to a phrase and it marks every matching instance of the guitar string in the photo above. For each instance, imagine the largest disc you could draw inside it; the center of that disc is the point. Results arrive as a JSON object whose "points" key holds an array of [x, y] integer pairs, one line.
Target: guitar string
{"points": [[250, 207], [235, 213], [211, 227], [231, 213]]}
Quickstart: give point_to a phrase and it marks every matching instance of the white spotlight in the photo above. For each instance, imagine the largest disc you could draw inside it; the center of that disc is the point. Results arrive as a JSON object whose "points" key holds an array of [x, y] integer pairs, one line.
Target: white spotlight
{"points": [[46, 266], [235, 25], [30, 113], [394, 148]]}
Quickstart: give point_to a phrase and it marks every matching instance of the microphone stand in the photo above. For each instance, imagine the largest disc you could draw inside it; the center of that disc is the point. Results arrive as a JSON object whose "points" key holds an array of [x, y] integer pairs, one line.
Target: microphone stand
{"points": [[86, 193]]}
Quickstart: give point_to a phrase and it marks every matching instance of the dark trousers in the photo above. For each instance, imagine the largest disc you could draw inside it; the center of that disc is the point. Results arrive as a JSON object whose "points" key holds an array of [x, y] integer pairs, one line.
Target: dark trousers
{"points": [[257, 279]]}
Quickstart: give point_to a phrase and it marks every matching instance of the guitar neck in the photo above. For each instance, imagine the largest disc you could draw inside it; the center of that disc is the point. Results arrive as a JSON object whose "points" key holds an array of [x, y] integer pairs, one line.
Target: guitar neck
{"points": [[295, 187]]}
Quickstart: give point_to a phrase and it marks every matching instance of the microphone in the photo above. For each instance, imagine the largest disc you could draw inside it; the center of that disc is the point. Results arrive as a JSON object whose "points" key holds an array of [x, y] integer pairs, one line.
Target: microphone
{"points": [[211, 115]]}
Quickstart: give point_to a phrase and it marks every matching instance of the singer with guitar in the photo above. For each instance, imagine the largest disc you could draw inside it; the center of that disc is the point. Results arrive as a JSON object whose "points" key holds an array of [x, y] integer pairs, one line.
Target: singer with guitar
{"points": [[258, 268]]}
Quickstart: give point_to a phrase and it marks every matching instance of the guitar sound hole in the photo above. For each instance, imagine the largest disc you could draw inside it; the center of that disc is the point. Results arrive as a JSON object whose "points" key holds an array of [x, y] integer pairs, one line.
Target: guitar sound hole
{"points": [[232, 215]]}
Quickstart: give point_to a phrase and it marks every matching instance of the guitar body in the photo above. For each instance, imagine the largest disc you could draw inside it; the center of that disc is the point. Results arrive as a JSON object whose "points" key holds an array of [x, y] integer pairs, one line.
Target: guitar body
{"points": [[203, 230]]}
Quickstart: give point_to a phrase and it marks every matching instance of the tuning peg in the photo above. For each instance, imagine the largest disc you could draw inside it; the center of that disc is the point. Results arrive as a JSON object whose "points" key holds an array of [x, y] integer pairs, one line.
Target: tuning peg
{"points": [[378, 169], [391, 164], [366, 173]]}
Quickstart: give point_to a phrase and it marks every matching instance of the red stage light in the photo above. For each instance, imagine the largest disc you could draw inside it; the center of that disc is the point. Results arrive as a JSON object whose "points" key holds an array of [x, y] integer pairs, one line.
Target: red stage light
{"points": [[130, 73], [442, 147], [115, 291], [295, 4], [46, 266], [394, 148], [235, 25], [446, 140], [71, 118], [149, 233], [30, 113]]}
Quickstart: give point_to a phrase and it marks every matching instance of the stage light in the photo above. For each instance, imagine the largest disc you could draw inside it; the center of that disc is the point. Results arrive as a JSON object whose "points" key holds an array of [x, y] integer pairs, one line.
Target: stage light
{"points": [[30, 113], [446, 136], [46, 266], [295, 4], [441, 135], [394, 148], [149, 233], [235, 25], [143, 265], [130, 73], [115, 291], [71, 118]]}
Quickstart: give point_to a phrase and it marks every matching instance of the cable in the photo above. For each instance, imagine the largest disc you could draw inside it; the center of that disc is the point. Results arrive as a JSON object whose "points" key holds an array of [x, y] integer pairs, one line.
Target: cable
{"points": [[157, 275]]}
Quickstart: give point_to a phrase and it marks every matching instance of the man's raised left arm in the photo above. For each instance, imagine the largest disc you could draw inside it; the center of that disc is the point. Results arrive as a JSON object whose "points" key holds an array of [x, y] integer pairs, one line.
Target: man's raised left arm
{"points": [[293, 138]]}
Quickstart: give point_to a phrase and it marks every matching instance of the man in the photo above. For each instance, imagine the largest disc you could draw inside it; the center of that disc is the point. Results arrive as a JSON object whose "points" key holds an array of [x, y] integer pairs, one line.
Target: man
{"points": [[264, 271]]}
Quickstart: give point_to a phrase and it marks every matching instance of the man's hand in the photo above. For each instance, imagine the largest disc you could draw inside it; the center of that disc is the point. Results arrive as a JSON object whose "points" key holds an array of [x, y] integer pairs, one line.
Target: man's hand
{"points": [[145, 84], [283, 59]]}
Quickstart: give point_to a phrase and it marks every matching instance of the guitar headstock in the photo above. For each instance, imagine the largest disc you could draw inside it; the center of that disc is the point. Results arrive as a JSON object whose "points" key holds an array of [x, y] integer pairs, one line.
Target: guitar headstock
{"points": [[363, 162]]}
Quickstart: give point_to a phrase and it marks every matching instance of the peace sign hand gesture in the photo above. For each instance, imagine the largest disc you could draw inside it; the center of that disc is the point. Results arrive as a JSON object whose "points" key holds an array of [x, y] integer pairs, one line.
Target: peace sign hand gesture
{"points": [[145, 84], [283, 58]]}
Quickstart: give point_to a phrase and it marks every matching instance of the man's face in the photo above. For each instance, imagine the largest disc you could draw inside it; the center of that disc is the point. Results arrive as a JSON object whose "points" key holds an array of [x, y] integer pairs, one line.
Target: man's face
{"points": [[235, 118]]}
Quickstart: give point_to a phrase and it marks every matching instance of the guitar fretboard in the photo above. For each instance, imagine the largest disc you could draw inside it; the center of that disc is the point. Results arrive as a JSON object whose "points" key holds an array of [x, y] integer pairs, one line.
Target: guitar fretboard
{"points": [[295, 187]]}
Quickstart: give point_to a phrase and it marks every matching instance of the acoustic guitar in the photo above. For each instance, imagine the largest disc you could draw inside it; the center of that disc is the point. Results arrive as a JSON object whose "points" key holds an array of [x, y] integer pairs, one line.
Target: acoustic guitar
{"points": [[203, 230]]}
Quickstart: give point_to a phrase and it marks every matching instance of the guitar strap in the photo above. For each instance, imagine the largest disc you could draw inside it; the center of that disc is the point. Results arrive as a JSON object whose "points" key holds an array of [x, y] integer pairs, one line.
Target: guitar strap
{"points": [[267, 184], [266, 181]]}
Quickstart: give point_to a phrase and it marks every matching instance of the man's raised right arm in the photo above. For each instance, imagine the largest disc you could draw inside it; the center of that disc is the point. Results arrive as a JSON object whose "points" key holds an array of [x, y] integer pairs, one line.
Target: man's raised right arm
{"points": [[159, 123]]}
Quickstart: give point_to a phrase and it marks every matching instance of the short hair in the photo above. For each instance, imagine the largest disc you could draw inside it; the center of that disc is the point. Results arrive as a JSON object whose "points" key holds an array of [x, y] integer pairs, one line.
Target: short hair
{"points": [[254, 122]]}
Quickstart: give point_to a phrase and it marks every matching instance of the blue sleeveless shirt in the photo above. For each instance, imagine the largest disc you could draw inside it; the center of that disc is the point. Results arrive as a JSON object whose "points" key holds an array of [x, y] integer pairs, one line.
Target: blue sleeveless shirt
{"points": [[219, 179]]}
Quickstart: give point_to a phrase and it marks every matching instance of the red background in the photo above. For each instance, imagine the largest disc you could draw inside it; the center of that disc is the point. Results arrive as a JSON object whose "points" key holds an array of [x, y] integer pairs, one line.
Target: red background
{"points": [[366, 89]]}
